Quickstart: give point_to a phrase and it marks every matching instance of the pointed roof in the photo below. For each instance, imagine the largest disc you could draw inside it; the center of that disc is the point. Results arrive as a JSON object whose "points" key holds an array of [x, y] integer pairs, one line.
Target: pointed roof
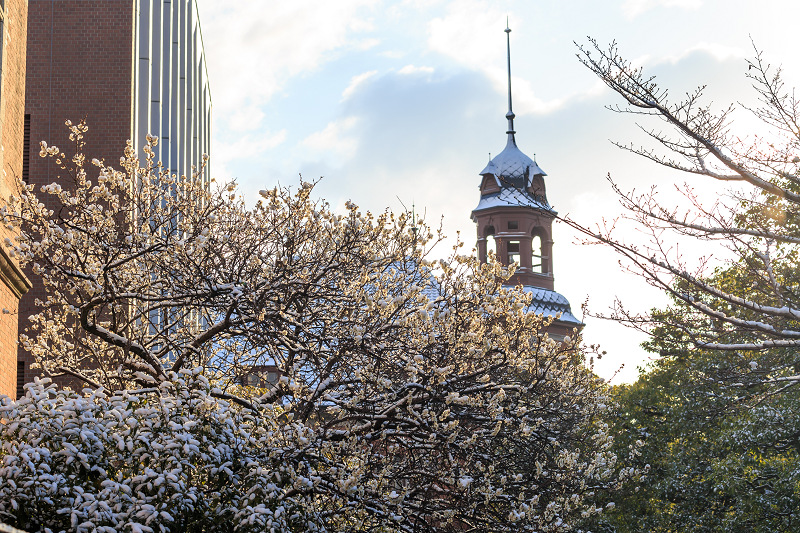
{"points": [[520, 185], [511, 167], [512, 170]]}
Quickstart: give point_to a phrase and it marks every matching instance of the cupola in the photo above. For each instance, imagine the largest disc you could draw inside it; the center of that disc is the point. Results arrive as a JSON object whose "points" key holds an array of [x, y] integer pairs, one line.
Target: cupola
{"points": [[514, 222]]}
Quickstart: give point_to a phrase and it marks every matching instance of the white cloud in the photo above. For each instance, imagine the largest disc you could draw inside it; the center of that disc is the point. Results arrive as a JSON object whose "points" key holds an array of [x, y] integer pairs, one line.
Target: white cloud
{"points": [[421, 4], [245, 146], [393, 54], [250, 145], [245, 118], [461, 35], [718, 51], [335, 141], [366, 44], [356, 82], [634, 8], [412, 69], [361, 25], [252, 52]]}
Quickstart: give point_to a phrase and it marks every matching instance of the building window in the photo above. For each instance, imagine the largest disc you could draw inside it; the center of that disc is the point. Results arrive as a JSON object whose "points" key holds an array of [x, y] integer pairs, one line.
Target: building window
{"points": [[536, 254], [491, 247], [513, 224], [264, 377], [513, 252], [20, 379], [26, 149]]}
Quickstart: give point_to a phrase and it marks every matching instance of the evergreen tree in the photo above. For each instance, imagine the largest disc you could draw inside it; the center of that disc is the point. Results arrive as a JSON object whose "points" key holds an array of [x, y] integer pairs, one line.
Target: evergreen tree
{"points": [[718, 410]]}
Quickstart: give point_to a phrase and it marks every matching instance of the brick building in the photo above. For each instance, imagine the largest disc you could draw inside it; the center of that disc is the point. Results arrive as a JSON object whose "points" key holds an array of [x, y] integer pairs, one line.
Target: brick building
{"points": [[13, 29], [129, 67], [515, 222]]}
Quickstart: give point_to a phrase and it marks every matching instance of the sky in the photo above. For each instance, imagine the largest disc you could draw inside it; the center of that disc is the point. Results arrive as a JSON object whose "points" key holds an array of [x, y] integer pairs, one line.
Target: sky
{"points": [[401, 103]]}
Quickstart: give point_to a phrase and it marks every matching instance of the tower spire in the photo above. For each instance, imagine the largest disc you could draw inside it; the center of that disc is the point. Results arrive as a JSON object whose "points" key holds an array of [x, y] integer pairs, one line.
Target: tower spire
{"points": [[510, 115]]}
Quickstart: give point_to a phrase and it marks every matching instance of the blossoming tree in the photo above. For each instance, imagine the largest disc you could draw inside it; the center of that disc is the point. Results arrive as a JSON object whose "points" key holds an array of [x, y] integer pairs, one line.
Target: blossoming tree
{"points": [[410, 394]]}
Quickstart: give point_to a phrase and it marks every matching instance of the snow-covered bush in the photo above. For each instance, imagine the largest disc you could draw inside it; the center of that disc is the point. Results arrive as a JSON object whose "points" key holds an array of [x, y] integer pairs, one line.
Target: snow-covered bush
{"points": [[174, 458], [413, 395], [169, 458]]}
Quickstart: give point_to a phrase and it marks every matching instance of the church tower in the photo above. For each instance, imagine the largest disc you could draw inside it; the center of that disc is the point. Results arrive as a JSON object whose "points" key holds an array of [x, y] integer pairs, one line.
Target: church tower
{"points": [[514, 221]]}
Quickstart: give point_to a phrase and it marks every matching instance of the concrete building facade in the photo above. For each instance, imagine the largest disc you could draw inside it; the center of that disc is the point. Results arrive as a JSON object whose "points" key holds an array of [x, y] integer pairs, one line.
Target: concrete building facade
{"points": [[129, 68]]}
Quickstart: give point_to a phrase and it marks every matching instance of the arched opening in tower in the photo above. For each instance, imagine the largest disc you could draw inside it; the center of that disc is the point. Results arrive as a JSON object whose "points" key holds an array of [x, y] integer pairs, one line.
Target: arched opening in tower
{"points": [[536, 254], [491, 244], [513, 252]]}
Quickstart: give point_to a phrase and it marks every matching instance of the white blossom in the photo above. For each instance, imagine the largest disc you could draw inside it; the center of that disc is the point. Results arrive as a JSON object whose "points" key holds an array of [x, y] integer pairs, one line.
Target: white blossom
{"points": [[284, 368]]}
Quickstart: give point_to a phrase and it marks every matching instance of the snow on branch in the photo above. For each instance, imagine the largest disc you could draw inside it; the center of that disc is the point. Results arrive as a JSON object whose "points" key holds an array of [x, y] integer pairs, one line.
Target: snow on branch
{"points": [[284, 366]]}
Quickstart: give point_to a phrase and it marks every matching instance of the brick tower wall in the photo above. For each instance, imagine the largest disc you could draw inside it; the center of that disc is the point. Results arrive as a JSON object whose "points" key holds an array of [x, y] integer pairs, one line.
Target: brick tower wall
{"points": [[79, 66], [12, 125]]}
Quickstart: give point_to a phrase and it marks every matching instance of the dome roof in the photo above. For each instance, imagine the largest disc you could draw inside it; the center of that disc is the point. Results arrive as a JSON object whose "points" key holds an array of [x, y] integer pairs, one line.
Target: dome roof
{"points": [[512, 168]]}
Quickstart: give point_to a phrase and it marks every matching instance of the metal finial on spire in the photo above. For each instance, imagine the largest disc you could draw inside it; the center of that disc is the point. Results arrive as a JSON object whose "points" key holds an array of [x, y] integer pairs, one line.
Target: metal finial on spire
{"points": [[510, 115]]}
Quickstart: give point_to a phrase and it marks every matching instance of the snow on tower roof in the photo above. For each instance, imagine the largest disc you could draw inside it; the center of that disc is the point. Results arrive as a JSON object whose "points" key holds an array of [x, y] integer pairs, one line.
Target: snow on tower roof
{"points": [[511, 197], [512, 168], [550, 304], [543, 301]]}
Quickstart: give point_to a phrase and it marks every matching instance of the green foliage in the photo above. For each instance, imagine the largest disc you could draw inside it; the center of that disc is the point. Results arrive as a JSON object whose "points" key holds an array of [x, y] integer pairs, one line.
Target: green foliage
{"points": [[719, 410], [720, 456]]}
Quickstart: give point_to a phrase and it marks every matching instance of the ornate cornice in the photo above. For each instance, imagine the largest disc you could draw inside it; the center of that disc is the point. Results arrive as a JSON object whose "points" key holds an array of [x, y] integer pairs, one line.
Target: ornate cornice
{"points": [[12, 276]]}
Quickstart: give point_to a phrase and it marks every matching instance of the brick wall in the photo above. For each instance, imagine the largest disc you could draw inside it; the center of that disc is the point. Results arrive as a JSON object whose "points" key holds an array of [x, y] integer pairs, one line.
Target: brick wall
{"points": [[12, 108], [8, 342], [79, 66]]}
